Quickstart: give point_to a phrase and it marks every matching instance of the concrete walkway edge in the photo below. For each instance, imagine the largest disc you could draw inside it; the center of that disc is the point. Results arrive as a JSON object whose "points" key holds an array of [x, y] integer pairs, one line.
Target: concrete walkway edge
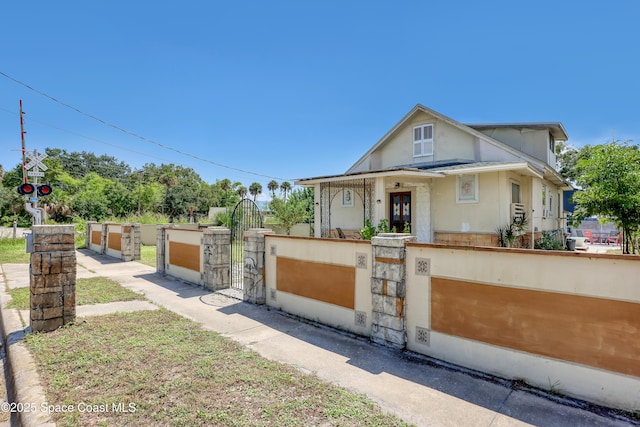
{"points": [[23, 381]]}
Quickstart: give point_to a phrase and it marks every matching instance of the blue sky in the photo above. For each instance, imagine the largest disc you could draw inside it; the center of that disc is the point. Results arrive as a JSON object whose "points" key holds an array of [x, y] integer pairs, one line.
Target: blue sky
{"points": [[291, 89]]}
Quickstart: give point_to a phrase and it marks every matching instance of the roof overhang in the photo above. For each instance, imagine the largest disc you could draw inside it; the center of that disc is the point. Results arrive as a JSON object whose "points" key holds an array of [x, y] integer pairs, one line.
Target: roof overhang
{"points": [[556, 128], [523, 168], [395, 172], [557, 179]]}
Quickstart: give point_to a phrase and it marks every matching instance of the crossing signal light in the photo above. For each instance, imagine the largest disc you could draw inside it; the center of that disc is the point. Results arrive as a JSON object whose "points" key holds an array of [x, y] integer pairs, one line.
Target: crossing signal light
{"points": [[26, 188], [44, 190]]}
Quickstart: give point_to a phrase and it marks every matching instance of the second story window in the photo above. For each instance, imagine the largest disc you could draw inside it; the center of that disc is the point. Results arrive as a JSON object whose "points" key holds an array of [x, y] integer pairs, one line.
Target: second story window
{"points": [[423, 140]]}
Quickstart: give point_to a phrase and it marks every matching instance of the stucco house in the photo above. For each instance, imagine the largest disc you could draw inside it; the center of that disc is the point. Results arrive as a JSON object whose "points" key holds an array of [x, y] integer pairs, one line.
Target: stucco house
{"points": [[448, 182]]}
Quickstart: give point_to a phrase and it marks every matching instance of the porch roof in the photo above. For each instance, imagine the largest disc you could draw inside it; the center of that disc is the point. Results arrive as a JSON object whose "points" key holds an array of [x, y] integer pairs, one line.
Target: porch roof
{"points": [[441, 170], [479, 167], [395, 172], [428, 170]]}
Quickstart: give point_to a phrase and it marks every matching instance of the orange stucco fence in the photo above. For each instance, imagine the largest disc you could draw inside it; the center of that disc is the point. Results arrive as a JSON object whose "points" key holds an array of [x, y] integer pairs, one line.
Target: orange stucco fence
{"points": [[117, 240], [563, 320], [566, 321]]}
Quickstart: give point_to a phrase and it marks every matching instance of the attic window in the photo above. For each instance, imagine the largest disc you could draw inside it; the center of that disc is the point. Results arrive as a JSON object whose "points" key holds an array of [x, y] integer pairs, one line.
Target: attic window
{"points": [[423, 140]]}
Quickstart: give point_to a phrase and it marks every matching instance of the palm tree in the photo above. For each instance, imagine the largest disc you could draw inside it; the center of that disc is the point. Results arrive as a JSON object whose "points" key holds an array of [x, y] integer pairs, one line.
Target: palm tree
{"points": [[168, 179], [255, 189], [273, 186], [225, 185], [242, 191], [285, 187]]}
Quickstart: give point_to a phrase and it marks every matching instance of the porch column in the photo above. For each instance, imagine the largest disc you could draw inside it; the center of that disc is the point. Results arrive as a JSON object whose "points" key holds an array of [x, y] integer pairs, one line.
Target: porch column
{"points": [[388, 289], [217, 258], [254, 288], [379, 194]]}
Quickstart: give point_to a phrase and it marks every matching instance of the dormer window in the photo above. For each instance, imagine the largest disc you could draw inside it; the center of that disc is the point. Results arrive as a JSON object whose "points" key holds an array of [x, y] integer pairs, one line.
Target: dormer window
{"points": [[423, 140]]}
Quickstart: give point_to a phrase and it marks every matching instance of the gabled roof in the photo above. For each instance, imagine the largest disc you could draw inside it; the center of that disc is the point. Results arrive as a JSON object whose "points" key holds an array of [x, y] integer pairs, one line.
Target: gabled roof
{"points": [[470, 130], [439, 169]]}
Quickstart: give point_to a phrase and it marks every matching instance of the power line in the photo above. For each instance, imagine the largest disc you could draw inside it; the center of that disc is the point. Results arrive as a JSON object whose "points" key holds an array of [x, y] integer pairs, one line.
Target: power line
{"points": [[90, 138], [133, 134]]}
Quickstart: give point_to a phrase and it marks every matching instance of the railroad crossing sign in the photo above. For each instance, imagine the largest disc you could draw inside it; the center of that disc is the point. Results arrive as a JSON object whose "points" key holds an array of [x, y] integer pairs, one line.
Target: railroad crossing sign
{"points": [[36, 161]]}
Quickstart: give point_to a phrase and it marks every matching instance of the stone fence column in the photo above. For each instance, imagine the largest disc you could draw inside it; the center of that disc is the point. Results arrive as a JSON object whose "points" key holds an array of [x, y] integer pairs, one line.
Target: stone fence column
{"points": [[87, 233], [130, 246], [160, 248], [254, 288], [104, 243], [217, 258], [52, 276], [388, 289]]}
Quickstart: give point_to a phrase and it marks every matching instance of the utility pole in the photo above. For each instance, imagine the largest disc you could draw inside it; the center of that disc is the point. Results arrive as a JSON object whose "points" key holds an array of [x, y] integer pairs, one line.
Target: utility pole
{"points": [[26, 189], [24, 150]]}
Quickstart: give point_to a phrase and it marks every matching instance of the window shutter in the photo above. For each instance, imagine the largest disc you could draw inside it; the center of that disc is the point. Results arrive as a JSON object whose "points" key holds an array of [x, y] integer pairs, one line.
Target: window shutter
{"points": [[428, 132], [417, 141]]}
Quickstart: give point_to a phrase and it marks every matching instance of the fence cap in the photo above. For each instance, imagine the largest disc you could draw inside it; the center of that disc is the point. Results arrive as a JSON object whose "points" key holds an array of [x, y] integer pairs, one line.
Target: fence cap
{"points": [[392, 239]]}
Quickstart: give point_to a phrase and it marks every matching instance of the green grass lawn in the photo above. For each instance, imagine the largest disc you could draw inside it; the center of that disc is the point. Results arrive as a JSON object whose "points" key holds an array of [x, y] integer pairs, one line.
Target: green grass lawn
{"points": [[148, 255], [170, 371], [13, 251], [94, 290]]}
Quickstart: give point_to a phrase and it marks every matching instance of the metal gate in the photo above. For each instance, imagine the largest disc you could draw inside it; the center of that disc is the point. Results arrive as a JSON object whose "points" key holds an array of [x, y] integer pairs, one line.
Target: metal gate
{"points": [[245, 215]]}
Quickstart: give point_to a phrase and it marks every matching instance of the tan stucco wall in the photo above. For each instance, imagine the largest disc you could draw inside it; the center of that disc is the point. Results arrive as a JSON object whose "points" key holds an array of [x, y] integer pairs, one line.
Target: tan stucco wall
{"points": [[114, 239], [347, 217], [343, 255], [482, 216], [180, 239], [96, 237], [449, 143], [551, 221], [575, 278], [532, 142]]}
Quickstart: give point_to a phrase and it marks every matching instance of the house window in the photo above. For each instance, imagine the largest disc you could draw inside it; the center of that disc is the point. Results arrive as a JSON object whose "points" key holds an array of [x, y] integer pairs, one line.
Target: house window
{"points": [[515, 193], [467, 189], [552, 144], [423, 140]]}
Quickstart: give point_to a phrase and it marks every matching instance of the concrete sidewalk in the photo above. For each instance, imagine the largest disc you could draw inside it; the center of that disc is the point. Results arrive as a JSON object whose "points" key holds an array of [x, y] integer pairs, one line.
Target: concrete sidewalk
{"points": [[420, 390]]}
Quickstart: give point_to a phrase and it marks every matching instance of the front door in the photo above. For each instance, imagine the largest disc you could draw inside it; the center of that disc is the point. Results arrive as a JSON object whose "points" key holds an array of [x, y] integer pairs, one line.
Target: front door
{"points": [[400, 212]]}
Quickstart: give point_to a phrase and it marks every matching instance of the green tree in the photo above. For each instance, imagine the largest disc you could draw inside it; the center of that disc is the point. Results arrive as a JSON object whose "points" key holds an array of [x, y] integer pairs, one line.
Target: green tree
{"points": [[289, 212], [225, 185], [567, 158], [254, 189], [120, 201], [285, 187], [609, 175], [91, 202], [273, 186], [241, 191], [79, 164]]}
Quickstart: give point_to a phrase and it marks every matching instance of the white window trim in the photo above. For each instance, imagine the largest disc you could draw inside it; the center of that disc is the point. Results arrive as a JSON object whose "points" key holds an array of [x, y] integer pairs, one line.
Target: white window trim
{"points": [[513, 181], [461, 197], [423, 142]]}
